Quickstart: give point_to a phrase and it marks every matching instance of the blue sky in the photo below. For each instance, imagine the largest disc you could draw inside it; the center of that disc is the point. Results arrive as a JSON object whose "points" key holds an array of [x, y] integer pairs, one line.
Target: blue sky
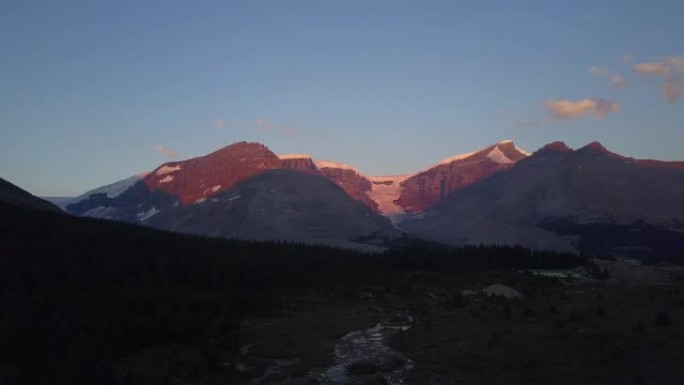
{"points": [[95, 91]]}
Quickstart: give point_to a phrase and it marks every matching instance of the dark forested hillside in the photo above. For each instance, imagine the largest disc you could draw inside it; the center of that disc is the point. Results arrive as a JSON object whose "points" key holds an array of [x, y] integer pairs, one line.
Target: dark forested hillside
{"points": [[79, 296], [14, 195]]}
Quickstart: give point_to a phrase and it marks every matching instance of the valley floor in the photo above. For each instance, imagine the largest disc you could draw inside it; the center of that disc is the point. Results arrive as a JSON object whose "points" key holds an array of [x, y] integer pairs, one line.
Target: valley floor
{"points": [[561, 331]]}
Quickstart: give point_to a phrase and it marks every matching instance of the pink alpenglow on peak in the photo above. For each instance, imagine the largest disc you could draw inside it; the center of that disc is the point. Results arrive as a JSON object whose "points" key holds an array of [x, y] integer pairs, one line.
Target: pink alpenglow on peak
{"points": [[329, 164], [294, 156]]}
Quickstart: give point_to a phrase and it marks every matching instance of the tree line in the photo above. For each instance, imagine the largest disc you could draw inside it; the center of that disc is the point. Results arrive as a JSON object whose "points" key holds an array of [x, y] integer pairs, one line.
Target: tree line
{"points": [[79, 294]]}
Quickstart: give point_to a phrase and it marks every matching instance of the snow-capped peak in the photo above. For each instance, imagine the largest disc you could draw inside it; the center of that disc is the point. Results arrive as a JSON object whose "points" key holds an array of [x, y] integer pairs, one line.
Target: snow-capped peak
{"points": [[294, 156], [328, 164], [520, 150], [165, 169], [496, 155], [112, 190], [455, 158]]}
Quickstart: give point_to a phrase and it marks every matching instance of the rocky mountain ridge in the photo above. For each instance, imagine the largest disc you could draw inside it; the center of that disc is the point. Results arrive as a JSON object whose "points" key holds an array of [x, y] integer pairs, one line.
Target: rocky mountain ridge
{"points": [[588, 199], [557, 198]]}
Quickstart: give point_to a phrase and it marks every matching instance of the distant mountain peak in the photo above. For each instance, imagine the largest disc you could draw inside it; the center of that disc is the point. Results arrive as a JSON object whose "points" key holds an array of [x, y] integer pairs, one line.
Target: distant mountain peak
{"points": [[503, 152], [595, 146], [496, 155], [557, 146], [512, 152], [245, 147], [197, 178], [598, 148]]}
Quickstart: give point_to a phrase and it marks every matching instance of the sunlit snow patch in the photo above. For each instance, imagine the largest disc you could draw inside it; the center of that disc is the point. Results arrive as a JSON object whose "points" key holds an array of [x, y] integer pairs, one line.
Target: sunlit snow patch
{"points": [[385, 190], [294, 156], [455, 158], [496, 155], [163, 170], [328, 164]]}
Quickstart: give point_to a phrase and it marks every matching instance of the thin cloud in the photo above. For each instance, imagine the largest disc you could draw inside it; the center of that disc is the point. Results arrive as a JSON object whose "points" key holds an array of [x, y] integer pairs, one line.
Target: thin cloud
{"points": [[569, 110], [533, 123], [263, 124], [167, 152], [653, 68], [671, 69], [672, 89], [266, 127], [627, 57], [615, 80], [218, 123]]}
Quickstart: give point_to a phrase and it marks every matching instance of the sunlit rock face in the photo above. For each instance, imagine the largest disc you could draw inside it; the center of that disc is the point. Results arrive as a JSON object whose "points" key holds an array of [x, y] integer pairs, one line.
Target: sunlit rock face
{"points": [[201, 177], [589, 200], [356, 185], [429, 187], [301, 162], [245, 191], [412, 193]]}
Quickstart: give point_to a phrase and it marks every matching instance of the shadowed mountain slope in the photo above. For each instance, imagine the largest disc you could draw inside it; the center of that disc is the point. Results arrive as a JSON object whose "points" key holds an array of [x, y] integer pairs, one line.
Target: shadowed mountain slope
{"points": [[588, 200], [14, 195]]}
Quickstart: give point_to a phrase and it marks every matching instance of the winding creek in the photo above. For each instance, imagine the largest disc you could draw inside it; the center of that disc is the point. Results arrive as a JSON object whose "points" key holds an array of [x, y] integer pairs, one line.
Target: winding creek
{"points": [[361, 357]]}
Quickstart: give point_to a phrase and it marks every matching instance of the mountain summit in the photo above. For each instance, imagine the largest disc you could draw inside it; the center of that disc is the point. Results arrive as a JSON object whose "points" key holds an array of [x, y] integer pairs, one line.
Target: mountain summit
{"points": [[197, 179], [194, 179], [588, 199], [243, 191], [427, 188]]}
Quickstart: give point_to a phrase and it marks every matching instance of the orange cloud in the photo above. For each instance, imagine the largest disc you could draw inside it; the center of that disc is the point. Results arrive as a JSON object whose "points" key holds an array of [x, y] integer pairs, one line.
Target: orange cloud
{"points": [[167, 152], [672, 89], [614, 79], [652, 68], [670, 69], [565, 109]]}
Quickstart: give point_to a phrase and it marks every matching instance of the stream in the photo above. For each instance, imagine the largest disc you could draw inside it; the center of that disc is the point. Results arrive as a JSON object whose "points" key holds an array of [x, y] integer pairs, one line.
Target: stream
{"points": [[363, 355], [360, 357]]}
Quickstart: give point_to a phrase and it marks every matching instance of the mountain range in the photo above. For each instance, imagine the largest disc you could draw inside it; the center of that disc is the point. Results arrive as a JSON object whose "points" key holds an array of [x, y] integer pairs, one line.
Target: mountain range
{"points": [[589, 200], [586, 200]]}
